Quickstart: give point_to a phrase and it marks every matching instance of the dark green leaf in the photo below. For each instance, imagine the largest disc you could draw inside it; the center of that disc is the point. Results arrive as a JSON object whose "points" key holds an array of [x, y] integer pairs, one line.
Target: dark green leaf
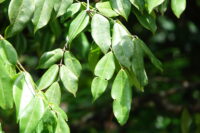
{"points": [[139, 4], [71, 11], [146, 20], [186, 121]]}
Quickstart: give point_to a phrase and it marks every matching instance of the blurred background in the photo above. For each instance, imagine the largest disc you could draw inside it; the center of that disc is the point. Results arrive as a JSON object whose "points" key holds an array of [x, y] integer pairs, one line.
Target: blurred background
{"points": [[171, 100]]}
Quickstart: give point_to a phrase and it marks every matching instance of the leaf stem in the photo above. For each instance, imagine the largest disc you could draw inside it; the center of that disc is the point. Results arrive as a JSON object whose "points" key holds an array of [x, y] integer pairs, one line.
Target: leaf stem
{"points": [[20, 66]]}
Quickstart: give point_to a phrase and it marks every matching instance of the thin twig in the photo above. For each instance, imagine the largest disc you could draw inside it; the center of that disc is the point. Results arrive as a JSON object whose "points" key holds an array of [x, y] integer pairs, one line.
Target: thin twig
{"points": [[20, 65]]}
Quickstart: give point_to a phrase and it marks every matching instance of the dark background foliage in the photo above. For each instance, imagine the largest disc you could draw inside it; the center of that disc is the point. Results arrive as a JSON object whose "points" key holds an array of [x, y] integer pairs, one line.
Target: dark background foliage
{"points": [[158, 110]]}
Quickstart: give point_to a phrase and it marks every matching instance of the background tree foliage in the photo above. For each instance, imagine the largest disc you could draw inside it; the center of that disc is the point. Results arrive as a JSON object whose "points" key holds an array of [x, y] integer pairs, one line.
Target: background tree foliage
{"points": [[99, 56]]}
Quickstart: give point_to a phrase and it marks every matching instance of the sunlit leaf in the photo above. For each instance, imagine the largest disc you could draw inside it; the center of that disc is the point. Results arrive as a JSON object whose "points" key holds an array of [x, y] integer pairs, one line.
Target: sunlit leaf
{"points": [[178, 6], [53, 94]]}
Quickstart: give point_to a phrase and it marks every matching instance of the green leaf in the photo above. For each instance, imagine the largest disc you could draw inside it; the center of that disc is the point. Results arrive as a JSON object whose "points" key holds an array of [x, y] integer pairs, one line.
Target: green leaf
{"points": [[50, 58], [72, 63], [150, 55], [78, 25], [100, 27], [6, 98], [139, 4], [106, 9], [62, 6], [122, 95], [105, 68], [69, 79], [53, 93], [1, 1], [124, 51], [9, 51], [148, 21], [48, 122], [186, 121], [151, 4], [119, 31], [20, 13], [42, 13], [93, 57], [138, 64], [32, 115], [23, 92], [122, 7], [62, 126], [178, 6], [71, 11], [99, 86], [48, 77], [59, 111]]}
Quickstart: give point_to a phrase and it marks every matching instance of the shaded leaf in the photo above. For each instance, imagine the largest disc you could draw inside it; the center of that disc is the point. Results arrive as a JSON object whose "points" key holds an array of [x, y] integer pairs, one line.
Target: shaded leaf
{"points": [[49, 58], [20, 13], [139, 4], [186, 121], [151, 4], [146, 20], [62, 6], [122, 7]]}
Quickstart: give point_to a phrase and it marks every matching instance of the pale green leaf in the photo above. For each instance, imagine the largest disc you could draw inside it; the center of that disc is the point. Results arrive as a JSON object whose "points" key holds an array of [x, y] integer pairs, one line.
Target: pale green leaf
{"points": [[6, 98], [1, 1], [32, 115], [148, 21], [119, 31], [78, 25], [178, 6], [62, 126], [122, 7], [106, 9], [151, 4], [99, 86], [62, 6], [9, 51], [72, 63], [100, 27], [122, 95], [20, 13], [71, 11], [105, 68], [48, 77], [23, 92], [42, 13], [53, 94], [124, 51], [59, 111], [50, 58], [69, 79]]}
